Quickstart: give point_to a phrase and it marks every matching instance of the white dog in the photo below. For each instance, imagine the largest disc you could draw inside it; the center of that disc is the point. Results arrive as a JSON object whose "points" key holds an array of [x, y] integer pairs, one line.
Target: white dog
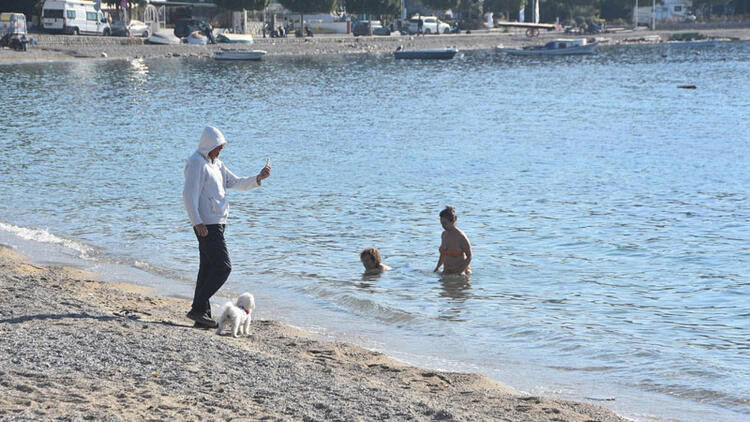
{"points": [[238, 314]]}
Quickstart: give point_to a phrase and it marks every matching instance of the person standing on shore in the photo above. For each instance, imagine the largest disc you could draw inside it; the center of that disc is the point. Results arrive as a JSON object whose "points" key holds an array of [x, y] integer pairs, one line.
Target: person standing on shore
{"points": [[204, 194]]}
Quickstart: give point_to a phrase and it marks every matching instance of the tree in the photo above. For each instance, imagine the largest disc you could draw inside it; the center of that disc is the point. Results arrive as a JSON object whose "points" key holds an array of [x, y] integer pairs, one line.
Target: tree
{"points": [[27, 7], [308, 6], [374, 7], [616, 9], [708, 5], [239, 5], [442, 4], [571, 8], [507, 7], [741, 7]]}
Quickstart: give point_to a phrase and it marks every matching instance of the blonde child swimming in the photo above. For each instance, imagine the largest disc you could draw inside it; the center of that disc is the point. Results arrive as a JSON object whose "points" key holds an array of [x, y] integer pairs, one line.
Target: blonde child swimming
{"points": [[455, 248]]}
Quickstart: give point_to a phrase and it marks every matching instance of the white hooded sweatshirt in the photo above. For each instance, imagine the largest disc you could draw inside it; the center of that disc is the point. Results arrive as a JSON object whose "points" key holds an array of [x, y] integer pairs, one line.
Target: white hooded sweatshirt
{"points": [[206, 182]]}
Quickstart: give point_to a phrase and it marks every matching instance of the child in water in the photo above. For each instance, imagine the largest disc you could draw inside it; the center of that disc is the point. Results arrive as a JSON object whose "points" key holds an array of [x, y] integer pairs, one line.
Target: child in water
{"points": [[370, 258], [455, 249]]}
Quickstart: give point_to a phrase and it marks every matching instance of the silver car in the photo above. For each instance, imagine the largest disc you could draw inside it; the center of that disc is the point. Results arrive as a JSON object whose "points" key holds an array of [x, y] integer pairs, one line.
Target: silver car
{"points": [[137, 28]]}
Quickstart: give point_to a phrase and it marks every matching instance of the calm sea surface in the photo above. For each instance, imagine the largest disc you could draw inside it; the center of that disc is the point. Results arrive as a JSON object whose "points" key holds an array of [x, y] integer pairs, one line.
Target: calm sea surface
{"points": [[609, 210]]}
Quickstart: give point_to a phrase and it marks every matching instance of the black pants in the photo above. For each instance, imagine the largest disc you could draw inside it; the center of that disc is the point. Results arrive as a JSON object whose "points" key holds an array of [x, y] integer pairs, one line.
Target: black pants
{"points": [[214, 268]]}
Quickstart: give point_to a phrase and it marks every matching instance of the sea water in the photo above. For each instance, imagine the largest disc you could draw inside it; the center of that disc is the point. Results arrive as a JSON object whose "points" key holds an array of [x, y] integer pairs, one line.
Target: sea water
{"points": [[608, 209]]}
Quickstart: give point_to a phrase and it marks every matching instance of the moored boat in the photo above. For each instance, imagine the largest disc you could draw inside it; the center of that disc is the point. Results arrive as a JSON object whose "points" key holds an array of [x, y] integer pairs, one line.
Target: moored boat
{"points": [[559, 47], [431, 54], [239, 55], [695, 43]]}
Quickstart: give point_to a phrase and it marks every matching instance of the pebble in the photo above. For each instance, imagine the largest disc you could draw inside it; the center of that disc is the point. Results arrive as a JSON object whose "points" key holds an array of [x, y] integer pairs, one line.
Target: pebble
{"points": [[105, 367]]}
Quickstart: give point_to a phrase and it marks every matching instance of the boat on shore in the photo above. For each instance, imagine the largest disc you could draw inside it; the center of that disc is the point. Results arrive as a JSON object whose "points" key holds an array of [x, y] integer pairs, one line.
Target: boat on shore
{"points": [[226, 37], [163, 37], [239, 55], [431, 54], [197, 37], [558, 47]]}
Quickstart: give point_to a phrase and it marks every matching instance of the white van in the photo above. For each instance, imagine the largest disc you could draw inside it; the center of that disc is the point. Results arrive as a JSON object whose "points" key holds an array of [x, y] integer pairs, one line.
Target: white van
{"points": [[74, 17]]}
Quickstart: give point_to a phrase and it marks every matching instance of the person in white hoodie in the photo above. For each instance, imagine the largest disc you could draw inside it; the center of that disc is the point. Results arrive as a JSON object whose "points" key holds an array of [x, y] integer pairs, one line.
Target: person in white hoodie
{"points": [[204, 194]]}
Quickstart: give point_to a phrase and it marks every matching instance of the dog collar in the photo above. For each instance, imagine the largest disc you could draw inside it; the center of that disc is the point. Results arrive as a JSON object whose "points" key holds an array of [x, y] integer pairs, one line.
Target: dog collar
{"points": [[247, 311]]}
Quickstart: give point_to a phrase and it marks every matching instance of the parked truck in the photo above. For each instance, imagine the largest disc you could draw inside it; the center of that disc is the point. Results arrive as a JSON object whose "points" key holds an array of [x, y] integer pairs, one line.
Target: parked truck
{"points": [[74, 17], [13, 31]]}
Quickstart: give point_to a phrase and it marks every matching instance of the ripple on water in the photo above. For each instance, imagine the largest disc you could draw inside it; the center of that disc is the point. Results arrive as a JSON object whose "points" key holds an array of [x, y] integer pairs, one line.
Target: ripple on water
{"points": [[608, 211]]}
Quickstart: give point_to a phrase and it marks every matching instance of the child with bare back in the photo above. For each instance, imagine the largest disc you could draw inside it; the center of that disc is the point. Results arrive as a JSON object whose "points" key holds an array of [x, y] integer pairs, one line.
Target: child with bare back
{"points": [[455, 249], [370, 258]]}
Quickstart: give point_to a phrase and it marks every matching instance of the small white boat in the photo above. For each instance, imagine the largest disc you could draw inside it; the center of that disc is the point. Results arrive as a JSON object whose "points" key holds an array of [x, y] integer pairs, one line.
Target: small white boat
{"points": [[695, 43], [239, 55], [559, 47], [432, 54], [235, 38], [197, 37], [163, 37]]}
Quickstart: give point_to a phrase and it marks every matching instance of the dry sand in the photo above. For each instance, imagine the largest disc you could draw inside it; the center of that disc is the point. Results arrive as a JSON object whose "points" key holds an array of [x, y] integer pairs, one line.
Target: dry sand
{"points": [[72, 47], [78, 349]]}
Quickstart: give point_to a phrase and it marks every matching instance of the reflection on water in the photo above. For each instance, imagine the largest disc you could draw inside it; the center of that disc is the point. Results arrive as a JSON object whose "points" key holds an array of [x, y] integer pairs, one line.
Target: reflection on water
{"points": [[456, 286], [608, 210], [138, 71]]}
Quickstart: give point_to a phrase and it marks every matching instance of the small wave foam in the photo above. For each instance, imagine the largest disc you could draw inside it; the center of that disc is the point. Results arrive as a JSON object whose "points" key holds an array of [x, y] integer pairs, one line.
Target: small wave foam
{"points": [[44, 236]]}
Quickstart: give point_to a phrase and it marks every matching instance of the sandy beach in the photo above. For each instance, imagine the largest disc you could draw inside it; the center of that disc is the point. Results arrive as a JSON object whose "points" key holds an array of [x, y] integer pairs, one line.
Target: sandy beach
{"points": [[80, 349], [71, 47]]}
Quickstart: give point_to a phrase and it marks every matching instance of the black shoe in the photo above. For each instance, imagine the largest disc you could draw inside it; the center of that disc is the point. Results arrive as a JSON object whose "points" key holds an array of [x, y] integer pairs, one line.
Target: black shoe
{"points": [[203, 326], [202, 320]]}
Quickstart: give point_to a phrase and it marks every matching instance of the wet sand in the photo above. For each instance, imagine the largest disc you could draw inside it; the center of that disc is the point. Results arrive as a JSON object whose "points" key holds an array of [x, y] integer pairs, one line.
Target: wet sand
{"points": [[77, 348]]}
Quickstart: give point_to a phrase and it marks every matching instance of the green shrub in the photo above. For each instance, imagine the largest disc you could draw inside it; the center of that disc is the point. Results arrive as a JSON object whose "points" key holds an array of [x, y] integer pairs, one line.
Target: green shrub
{"points": [[687, 36]]}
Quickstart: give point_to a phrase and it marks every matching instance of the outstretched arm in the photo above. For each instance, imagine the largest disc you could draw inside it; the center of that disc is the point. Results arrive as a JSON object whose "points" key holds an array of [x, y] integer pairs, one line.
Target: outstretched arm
{"points": [[245, 183]]}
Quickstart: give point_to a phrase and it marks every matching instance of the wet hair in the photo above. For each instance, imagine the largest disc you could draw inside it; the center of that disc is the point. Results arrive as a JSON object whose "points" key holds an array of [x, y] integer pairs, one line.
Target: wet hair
{"points": [[372, 253], [448, 213]]}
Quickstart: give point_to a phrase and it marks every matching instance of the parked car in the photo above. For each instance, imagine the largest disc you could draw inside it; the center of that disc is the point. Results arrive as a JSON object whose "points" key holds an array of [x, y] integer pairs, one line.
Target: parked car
{"points": [[138, 29], [118, 29], [135, 28], [430, 25], [183, 27], [363, 28], [73, 17]]}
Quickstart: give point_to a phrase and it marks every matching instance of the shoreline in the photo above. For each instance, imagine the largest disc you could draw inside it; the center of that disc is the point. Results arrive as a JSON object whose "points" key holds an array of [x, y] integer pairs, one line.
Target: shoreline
{"points": [[53, 48], [103, 350]]}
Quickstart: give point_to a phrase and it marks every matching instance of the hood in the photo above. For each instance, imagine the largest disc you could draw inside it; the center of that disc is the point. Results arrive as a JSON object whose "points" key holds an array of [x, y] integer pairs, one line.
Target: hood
{"points": [[210, 139]]}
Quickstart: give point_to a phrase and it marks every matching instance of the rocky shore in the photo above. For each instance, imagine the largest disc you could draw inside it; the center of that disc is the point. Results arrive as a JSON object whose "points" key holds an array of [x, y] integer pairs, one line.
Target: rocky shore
{"points": [[75, 348], [72, 47]]}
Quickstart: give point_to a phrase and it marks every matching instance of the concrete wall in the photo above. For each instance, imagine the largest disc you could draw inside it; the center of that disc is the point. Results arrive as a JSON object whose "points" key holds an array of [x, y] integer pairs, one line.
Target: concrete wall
{"points": [[59, 40]]}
